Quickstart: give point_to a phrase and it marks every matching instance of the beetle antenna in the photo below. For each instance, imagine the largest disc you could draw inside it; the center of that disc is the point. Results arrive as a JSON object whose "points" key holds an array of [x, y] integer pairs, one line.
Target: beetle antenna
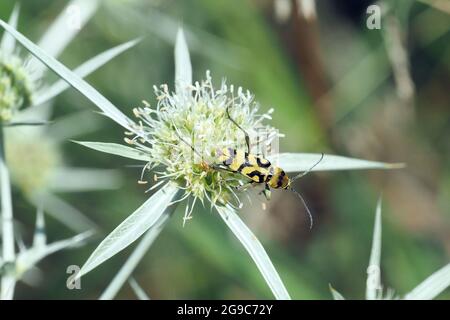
{"points": [[307, 171], [306, 207]]}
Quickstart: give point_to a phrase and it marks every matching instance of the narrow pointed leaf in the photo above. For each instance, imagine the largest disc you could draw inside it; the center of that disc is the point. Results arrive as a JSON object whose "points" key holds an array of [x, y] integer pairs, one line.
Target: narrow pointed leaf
{"points": [[61, 32], [6, 211], [33, 277], [136, 256], [63, 212], [65, 27], [8, 287], [183, 67], [75, 81], [83, 71], [163, 26], [73, 125], [256, 251], [40, 238], [336, 294], [145, 217], [8, 42], [84, 179], [373, 285], [140, 293], [41, 114], [297, 162], [20, 242], [32, 256], [8, 248], [116, 149], [432, 286], [72, 242], [27, 124]]}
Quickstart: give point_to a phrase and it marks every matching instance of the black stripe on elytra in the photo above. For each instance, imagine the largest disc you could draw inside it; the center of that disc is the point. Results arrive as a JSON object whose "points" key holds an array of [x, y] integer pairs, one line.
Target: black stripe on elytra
{"points": [[280, 179], [245, 164], [257, 174], [242, 166], [232, 153], [262, 165]]}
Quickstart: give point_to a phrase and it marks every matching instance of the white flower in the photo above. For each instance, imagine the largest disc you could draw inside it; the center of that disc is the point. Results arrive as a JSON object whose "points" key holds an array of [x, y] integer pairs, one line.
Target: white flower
{"points": [[198, 120], [31, 158]]}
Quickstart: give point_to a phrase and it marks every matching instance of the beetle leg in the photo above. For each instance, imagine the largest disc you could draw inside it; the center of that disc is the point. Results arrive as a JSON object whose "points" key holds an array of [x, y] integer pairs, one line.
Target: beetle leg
{"points": [[221, 168], [267, 193], [245, 186]]}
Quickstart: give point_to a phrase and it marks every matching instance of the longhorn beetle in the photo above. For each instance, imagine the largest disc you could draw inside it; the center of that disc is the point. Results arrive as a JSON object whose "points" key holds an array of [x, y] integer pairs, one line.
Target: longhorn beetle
{"points": [[258, 169]]}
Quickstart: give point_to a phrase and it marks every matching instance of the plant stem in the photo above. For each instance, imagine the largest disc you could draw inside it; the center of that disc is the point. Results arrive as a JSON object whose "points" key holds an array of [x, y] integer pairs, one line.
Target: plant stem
{"points": [[7, 281]]}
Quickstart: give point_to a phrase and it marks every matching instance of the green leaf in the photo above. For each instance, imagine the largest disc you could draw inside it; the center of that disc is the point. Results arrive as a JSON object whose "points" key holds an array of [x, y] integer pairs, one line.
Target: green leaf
{"points": [[373, 285], [136, 224], [116, 149], [297, 162], [183, 68], [256, 251], [8, 42], [431, 287], [75, 81], [83, 71]]}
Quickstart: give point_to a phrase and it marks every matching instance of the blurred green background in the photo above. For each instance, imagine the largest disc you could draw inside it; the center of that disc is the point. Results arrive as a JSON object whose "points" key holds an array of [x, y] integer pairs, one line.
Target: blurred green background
{"points": [[336, 86]]}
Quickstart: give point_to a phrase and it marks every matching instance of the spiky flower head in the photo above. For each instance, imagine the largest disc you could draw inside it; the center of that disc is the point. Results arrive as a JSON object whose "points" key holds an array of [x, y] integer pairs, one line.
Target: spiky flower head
{"points": [[32, 158], [15, 86], [183, 133]]}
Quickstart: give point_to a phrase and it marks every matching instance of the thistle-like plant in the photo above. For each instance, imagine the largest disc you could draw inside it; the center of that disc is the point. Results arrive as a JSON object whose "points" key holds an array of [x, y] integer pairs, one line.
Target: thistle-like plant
{"points": [[179, 172], [24, 268], [182, 134], [429, 289], [25, 104]]}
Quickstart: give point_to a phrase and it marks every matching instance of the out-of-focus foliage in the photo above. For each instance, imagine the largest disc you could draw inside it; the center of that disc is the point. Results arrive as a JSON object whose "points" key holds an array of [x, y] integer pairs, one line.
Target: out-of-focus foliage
{"points": [[337, 87]]}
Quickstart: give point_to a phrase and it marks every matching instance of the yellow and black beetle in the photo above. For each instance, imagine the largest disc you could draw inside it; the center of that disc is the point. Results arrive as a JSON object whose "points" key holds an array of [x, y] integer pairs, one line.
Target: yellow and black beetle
{"points": [[258, 169]]}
